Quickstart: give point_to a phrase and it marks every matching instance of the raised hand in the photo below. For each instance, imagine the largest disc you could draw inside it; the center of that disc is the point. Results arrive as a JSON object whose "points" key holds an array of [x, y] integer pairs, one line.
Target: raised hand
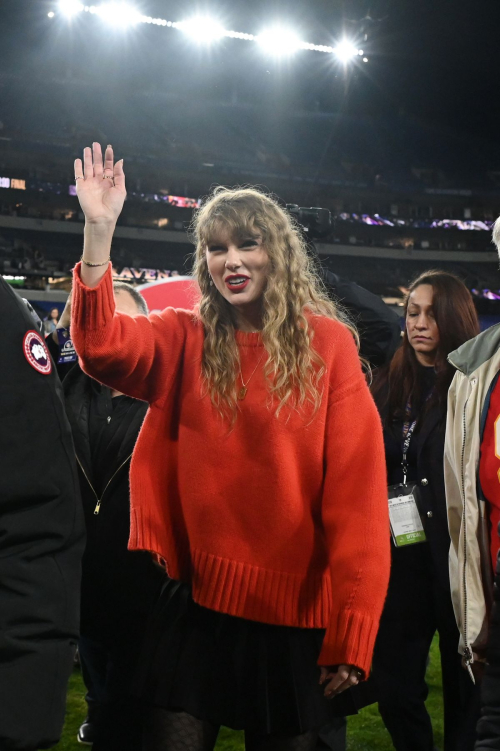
{"points": [[100, 187]]}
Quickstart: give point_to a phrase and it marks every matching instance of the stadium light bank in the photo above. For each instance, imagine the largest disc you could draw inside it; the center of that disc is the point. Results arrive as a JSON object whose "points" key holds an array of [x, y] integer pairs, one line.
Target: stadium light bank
{"points": [[277, 40]]}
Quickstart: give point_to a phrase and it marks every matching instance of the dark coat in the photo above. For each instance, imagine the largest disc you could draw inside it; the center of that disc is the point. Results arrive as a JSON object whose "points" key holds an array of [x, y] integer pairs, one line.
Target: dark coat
{"points": [[41, 540], [432, 495], [431, 490], [119, 587]]}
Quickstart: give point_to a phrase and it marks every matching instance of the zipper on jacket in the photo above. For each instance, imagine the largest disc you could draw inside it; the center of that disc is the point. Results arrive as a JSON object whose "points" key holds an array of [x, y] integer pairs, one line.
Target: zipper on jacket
{"points": [[468, 656], [99, 500]]}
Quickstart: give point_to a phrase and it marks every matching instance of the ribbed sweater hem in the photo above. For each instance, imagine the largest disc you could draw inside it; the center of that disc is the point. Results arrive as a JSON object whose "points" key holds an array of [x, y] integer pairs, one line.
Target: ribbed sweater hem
{"points": [[239, 588], [261, 594]]}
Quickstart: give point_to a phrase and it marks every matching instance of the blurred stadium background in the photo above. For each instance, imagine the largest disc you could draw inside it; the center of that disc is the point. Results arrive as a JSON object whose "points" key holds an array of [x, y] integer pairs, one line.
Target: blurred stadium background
{"points": [[189, 106]]}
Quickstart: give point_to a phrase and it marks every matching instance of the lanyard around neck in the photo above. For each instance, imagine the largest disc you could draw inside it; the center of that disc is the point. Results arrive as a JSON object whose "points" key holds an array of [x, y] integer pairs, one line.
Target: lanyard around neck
{"points": [[408, 430]]}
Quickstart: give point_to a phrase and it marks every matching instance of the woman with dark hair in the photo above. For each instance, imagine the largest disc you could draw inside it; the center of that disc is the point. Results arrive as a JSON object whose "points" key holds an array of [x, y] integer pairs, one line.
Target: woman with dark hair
{"points": [[411, 395]]}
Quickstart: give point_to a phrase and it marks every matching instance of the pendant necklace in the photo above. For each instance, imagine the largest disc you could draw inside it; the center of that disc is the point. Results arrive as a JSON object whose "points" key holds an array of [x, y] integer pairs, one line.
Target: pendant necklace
{"points": [[243, 390]]}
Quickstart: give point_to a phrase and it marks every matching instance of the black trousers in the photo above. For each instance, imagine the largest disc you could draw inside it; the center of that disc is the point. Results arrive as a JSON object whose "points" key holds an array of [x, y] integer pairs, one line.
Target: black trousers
{"points": [[417, 606]]}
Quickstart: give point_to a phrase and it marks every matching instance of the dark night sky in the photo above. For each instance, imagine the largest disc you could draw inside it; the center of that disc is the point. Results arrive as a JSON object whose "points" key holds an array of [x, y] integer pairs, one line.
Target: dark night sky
{"points": [[432, 59]]}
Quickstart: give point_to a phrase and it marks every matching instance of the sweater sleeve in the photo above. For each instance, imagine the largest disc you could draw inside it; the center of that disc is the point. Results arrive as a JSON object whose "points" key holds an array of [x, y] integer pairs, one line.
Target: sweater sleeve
{"points": [[137, 355], [355, 514]]}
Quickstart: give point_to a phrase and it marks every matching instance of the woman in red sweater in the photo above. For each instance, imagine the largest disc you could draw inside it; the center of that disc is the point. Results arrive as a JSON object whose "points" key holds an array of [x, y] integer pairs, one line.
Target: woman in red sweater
{"points": [[258, 476]]}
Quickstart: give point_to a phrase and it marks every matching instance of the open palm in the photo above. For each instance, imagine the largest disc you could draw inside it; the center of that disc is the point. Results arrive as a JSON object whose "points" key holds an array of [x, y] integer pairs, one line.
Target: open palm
{"points": [[100, 187]]}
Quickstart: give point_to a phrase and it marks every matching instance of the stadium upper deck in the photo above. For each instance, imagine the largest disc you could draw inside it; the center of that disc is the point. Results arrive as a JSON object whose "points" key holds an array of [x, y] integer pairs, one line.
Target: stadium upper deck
{"points": [[45, 123]]}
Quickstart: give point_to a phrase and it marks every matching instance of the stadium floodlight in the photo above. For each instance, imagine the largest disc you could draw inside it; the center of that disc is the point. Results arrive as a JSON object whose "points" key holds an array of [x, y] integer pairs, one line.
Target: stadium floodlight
{"points": [[279, 41], [118, 14], [70, 8], [202, 29], [345, 50]]}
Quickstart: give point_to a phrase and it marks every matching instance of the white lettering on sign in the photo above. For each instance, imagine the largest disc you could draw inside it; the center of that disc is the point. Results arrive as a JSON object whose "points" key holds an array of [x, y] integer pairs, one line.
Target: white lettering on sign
{"points": [[141, 275], [6, 182]]}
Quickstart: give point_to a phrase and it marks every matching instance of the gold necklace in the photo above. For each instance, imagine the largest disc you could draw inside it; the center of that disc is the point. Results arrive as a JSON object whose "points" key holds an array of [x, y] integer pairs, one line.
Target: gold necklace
{"points": [[243, 391]]}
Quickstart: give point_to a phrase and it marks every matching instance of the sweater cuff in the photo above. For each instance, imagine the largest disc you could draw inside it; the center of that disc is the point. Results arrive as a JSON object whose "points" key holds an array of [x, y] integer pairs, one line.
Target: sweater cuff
{"points": [[349, 640], [92, 307]]}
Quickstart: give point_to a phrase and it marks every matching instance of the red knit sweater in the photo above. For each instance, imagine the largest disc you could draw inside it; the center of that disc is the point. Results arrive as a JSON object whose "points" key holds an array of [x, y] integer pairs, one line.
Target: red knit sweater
{"points": [[275, 520]]}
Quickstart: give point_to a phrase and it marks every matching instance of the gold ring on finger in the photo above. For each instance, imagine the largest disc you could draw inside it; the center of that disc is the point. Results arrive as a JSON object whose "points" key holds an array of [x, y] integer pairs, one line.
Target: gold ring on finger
{"points": [[78, 177], [107, 177]]}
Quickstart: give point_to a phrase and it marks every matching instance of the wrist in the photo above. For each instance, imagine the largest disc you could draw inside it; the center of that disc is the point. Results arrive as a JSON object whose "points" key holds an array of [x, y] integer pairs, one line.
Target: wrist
{"points": [[99, 228], [95, 264], [97, 244]]}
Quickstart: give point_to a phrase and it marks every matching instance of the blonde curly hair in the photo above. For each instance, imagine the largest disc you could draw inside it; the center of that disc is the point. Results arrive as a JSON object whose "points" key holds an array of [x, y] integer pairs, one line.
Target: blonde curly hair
{"points": [[294, 370]]}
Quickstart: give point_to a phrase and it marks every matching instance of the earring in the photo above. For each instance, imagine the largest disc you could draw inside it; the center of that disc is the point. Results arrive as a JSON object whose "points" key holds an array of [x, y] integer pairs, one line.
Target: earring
{"points": [[211, 282]]}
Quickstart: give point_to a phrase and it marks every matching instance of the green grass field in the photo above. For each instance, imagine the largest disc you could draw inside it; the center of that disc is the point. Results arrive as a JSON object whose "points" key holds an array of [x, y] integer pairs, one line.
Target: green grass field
{"points": [[365, 731]]}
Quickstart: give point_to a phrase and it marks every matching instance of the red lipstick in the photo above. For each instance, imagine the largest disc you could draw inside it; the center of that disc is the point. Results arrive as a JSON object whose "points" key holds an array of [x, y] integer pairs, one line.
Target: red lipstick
{"points": [[236, 282]]}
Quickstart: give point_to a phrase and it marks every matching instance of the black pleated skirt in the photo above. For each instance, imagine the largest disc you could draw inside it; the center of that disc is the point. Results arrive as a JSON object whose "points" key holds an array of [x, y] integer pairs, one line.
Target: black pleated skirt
{"points": [[234, 672]]}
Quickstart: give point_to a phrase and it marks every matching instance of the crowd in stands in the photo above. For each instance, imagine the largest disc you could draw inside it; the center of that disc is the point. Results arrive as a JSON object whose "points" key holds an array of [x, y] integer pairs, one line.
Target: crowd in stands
{"points": [[349, 228], [27, 258], [316, 148]]}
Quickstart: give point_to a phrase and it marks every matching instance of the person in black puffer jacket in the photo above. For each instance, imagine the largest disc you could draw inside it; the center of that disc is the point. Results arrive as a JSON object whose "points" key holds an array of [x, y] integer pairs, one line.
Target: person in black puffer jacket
{"points": [[41, 536]]}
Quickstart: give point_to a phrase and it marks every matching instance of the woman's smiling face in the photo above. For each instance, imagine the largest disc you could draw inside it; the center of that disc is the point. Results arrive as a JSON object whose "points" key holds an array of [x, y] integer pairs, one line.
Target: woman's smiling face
{"points": [[239, 268]]}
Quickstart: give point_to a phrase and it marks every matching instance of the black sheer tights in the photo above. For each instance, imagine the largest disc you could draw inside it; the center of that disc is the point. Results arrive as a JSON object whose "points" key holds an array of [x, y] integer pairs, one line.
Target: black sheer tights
{"points": [[165, 730]]}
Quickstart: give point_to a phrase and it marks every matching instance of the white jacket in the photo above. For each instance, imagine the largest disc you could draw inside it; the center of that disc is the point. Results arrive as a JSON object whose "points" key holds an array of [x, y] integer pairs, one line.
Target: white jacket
{"points": [[478, 365]]}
